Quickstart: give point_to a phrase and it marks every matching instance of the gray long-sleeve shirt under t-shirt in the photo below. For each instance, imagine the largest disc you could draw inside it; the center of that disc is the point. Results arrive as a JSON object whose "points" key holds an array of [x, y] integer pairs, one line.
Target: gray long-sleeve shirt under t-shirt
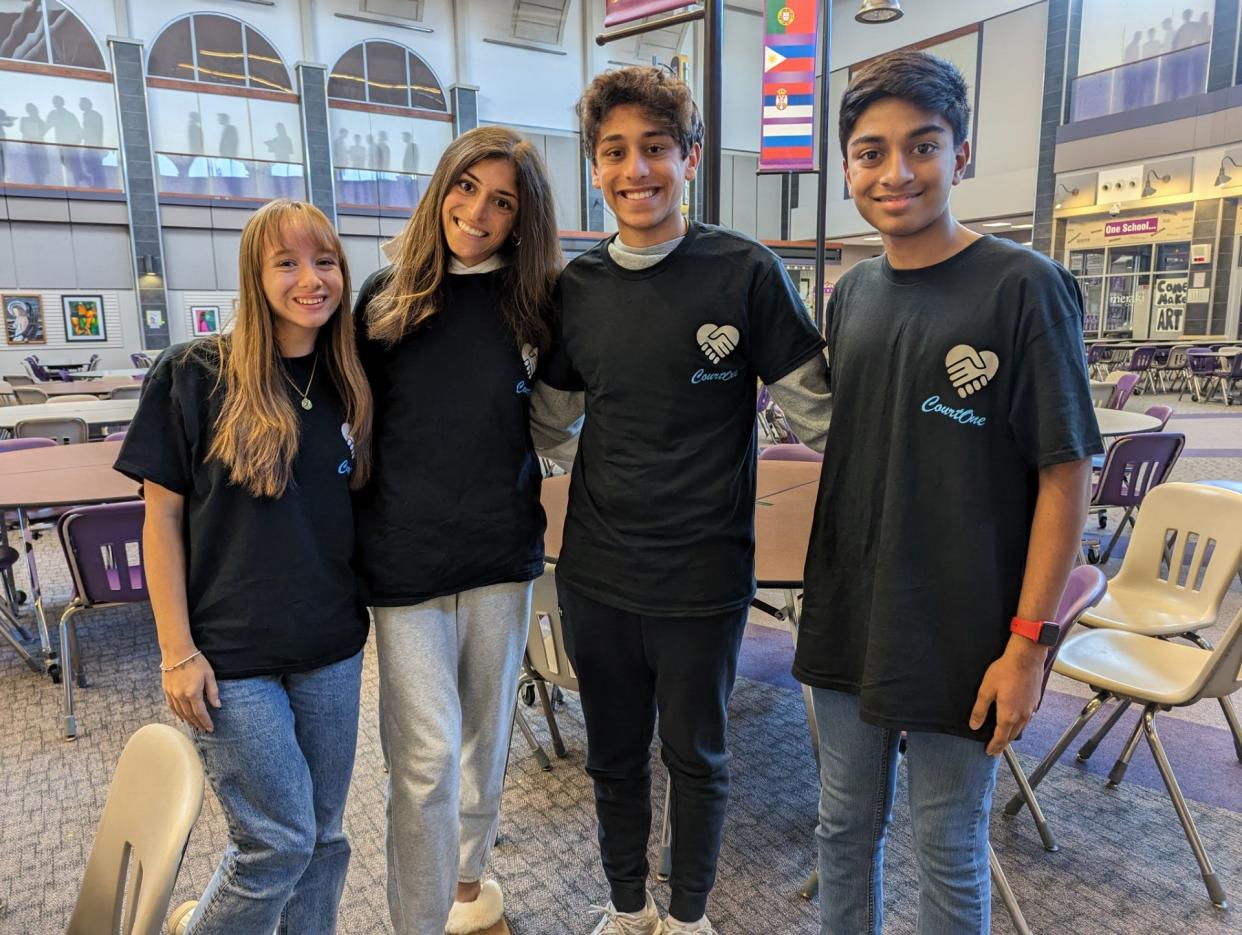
{"points": [[803, 394]]}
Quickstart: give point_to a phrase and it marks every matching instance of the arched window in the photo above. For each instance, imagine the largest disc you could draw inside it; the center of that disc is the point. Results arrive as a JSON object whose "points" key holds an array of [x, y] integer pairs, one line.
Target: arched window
{"points": [[217, 49], [49, 32], [385, 73]]}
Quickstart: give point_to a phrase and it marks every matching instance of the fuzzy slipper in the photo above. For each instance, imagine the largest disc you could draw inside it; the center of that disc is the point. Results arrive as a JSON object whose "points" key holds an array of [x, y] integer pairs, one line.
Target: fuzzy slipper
{"points": [[484, 916]]}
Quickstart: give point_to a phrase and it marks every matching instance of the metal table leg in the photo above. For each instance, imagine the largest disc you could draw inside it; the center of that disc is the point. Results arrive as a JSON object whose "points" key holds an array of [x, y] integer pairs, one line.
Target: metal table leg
{"points": [[50, 663]]}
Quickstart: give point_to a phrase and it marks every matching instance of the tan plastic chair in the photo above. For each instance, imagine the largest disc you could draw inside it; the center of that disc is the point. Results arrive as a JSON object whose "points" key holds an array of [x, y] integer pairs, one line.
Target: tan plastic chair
{"points": [[29, 395], [126, 392], [7, 396], [1159, 675], [545, 663], [18, 379], [74, 398], [1152, 596], [155, 798], [61, 431], [1102, 393]]}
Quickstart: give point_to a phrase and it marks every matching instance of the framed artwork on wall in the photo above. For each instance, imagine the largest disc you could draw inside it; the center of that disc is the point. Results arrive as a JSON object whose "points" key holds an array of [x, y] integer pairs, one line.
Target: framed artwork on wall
{"points": [[206, 319], [23, 320], [84, 318]]}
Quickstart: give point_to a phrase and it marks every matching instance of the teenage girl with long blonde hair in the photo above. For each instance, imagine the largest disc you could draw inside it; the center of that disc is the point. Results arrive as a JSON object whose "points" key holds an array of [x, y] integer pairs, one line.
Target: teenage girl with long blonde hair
{"points": [[247, 446], [450, 530]]}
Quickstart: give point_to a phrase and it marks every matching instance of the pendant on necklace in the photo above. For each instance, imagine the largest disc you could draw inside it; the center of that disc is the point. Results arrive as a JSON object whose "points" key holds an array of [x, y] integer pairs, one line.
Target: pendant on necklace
{"points": [[306, 403]]}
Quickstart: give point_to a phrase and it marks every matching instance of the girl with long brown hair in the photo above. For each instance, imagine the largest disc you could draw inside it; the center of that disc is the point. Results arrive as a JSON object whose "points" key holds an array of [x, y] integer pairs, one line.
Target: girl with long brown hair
{"points": [[247, 446], [450, 530]]}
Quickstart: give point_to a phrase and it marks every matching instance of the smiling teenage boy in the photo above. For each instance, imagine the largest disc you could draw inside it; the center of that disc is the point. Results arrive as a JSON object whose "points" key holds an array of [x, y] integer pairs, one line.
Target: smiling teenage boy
{"points": [[950, 508], [666, 327]]}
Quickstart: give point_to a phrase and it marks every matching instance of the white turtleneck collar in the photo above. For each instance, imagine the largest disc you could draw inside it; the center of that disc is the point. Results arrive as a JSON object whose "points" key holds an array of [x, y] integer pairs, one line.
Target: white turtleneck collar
{"points": [[492, 263]]}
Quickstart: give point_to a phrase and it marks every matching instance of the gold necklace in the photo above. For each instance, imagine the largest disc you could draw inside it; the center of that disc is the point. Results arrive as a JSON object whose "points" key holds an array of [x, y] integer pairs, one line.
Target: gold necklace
{"points": [[306, 403]]}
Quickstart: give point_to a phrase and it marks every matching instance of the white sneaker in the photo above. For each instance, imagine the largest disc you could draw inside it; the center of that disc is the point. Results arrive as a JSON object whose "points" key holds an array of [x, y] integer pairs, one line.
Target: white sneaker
{"points": [[646, 922], [180, 918], [673, 927]]}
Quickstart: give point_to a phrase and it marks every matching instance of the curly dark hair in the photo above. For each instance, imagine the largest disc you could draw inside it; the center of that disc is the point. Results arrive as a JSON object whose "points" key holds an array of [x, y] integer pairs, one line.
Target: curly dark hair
{"points": [[918, 78], [664, 98]]}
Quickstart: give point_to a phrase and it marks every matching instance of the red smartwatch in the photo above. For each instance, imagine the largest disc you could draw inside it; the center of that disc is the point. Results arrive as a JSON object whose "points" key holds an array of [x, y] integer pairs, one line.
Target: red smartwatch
{"points": [[1043, 632]]}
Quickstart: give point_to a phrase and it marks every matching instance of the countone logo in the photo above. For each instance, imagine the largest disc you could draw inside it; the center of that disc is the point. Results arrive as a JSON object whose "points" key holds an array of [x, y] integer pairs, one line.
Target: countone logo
{"points": [[970, 370]]}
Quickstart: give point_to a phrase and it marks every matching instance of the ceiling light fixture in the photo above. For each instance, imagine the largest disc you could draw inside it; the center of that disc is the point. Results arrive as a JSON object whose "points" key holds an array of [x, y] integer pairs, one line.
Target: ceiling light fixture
{"points": [[1061, 187], [878, 11], [995, 223]]}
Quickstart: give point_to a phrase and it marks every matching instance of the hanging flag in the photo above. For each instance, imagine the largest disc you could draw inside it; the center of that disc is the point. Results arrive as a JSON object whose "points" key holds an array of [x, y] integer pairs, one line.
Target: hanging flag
{"points": [[624, 11], [790, 57]]}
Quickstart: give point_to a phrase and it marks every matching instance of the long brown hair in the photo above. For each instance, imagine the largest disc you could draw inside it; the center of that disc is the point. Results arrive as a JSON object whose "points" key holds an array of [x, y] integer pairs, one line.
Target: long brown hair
{"points": [[413, 291], [257, 431]]}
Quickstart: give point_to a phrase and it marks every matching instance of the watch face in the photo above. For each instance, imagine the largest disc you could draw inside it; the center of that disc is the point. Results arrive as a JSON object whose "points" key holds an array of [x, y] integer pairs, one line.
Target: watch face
{"points": [[1048, 633]]}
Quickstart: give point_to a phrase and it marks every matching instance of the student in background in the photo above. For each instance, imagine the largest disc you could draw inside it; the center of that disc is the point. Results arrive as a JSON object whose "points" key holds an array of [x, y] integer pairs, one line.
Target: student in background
{"points": [[450, 529], [247, 445], [666, 328], [952, 500]]}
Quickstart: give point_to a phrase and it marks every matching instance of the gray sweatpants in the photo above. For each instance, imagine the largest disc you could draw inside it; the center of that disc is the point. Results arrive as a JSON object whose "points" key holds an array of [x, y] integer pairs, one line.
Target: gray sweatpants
{"points": [[448, 673]]}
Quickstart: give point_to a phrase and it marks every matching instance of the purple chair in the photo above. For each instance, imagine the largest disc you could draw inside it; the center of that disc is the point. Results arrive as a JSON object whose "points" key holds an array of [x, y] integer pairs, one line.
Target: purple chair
{"points": [[1133, 466], [790, 452], [1141, 359], [1200, 366], [1227, 375], [120, 436], [1085, 587], [1161, 412], [1125, 386], [97, 541], [1098, 358], [141, 360]]}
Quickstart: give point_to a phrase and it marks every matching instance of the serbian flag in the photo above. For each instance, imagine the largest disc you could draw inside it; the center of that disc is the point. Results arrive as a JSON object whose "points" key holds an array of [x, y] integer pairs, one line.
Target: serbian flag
{"points": [[624, 11], [790, 56]]}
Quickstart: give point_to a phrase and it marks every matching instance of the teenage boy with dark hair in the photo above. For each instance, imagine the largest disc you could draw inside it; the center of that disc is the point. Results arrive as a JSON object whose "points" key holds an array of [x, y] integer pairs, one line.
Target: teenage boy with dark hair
{"points": [[952, 499], [666, 328]]}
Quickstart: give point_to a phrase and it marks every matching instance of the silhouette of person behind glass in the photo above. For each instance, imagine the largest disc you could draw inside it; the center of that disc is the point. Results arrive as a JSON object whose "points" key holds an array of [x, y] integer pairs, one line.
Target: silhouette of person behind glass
{"points": [[340, 148], [409, 160], [91, 160], [281, 145], [194, 135], [1153, 46], [1132, 51], [33, 129], [228, 137], [358, 153], [382, 152]]}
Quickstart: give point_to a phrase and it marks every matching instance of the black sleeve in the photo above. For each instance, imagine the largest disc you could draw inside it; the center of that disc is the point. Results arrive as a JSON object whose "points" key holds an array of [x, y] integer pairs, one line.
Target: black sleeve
{"points": [[1051, 412], [556, 369], [782, 335], [158, 444]]}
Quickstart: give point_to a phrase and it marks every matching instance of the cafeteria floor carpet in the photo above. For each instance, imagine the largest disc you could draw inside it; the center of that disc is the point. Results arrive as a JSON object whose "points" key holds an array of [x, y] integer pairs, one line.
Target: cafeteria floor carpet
{"points": [[1124, 864]]}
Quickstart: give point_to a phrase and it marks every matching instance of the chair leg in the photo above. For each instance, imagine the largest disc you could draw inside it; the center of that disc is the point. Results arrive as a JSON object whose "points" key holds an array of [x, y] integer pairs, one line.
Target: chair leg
{"points": [[9, 631], [1112, 542], [558, 745], [1231, 717], [1006, 894], [1037, 813], [1216, 892], [1088, 748], [540, 757], [1014, 805], [68, 661], [665, 868], [1118, 772]]}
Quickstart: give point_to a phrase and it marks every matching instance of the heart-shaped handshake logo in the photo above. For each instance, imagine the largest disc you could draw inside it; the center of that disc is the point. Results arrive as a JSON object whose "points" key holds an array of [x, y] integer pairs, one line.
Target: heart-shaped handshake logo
{"points": [[717, 341], [530, 359], [970, 370]]}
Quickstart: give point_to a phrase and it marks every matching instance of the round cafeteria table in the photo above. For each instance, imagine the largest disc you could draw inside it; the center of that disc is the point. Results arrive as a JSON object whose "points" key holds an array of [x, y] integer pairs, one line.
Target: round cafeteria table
{"points": [[103, 412], [101, 387], [1115, 422], [61, 475]]}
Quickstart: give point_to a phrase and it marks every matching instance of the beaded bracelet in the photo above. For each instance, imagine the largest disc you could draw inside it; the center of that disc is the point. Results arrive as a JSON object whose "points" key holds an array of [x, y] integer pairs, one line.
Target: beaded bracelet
{"points": [[178, 665]]}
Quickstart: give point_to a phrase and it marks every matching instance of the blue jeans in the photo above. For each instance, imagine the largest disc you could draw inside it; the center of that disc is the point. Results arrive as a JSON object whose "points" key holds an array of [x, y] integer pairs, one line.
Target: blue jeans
{"points": [[951, 782], [280, 760]]}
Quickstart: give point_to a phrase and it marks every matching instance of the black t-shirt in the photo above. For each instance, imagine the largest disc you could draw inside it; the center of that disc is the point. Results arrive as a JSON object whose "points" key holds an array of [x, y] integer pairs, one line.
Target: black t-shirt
{"points": [[269, 585], [453, 501], [952, 386], [662, 498]]}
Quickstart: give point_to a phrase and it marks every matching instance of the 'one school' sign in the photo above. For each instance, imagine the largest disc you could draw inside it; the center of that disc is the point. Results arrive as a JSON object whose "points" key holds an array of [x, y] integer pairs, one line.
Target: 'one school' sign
{"points": [[1130, 227]]}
